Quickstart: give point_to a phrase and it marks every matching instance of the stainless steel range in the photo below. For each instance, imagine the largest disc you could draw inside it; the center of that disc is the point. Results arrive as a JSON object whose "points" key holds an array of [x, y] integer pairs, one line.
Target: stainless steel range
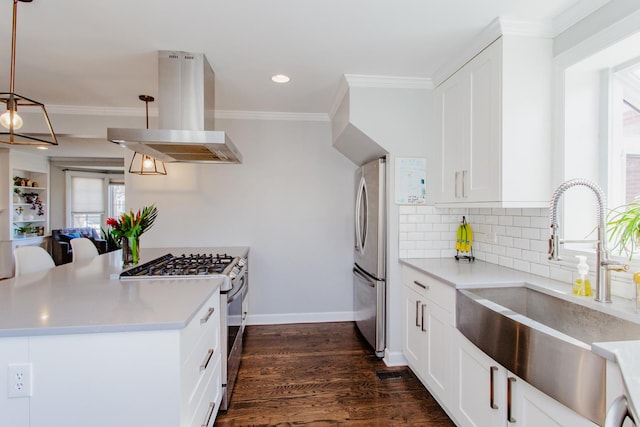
{"points": [[233, 299]]}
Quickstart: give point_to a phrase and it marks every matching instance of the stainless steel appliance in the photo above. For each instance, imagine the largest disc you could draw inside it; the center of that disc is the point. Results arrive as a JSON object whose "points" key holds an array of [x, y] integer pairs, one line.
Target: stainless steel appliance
{"points": [[369, 270], [233, 299], [186, 105]]}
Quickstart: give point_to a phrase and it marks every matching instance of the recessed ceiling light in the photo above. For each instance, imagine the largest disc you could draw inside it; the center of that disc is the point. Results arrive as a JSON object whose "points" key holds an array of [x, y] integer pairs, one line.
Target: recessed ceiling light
{"points": [[280, 78], [40, 147]]}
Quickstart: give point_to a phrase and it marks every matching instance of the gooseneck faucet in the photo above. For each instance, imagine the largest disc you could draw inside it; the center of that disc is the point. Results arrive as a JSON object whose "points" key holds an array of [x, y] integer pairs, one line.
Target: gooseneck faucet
{"points": [[603, 264]]}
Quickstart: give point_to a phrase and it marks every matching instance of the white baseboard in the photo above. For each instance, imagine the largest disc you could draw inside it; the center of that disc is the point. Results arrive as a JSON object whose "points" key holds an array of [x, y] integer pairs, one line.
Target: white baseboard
{"points": [[394, 358], [279, 319]]}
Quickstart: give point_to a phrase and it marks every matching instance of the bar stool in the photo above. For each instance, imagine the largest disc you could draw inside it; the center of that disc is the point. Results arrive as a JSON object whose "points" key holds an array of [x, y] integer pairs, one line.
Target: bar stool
{"points": [[30, 259], [83, 248]]}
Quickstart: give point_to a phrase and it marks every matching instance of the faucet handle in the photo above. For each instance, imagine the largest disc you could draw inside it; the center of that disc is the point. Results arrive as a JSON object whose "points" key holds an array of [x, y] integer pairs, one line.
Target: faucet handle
{"points": [[618, 267]]}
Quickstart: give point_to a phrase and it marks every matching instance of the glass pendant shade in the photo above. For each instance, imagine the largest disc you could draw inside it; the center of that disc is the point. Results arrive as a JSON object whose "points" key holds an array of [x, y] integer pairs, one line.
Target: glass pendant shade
{"points": [[33, 120], [141, 164]]}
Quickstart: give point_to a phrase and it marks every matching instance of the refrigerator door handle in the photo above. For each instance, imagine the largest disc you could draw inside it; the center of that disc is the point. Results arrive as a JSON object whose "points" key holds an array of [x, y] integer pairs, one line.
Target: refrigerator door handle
{"points": [[361, 216], [357, 274]]}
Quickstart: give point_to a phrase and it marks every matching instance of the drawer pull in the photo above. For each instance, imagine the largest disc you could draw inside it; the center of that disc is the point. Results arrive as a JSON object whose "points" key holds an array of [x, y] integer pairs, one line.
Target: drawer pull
{"points": [[510, 381], [207, 419], [206, 360], [492, 403], [425, 287], [206, 317]]}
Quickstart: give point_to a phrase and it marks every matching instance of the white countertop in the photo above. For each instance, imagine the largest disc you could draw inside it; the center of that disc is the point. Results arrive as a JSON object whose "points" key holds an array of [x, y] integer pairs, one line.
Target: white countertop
{"points": [[87, 297], [463, 274]]}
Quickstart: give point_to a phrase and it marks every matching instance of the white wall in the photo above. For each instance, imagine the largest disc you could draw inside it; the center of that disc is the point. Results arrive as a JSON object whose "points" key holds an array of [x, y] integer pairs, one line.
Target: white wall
{"points": [[291, 201]]}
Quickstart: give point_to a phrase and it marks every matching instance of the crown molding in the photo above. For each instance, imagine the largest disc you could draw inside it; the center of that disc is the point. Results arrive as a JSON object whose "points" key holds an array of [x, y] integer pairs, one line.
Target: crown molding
{"points": [[360, 80], [99, 111], [271, 115], [219, 114], [501, 26]]}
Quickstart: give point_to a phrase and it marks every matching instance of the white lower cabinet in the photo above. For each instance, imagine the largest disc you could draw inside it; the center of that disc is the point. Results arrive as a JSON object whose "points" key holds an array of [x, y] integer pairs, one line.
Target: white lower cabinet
{"points": [[428, 331], [470, 386], [488, 395]]}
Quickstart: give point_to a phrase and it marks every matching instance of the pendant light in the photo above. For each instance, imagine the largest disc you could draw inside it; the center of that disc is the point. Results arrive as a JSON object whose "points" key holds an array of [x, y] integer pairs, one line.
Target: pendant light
{"points": [[10, 120], [142, 164]]}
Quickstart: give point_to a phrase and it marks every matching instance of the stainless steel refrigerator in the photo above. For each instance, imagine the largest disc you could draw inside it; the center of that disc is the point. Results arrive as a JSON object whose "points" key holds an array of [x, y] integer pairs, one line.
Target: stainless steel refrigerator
{"points": [[369, 270]]}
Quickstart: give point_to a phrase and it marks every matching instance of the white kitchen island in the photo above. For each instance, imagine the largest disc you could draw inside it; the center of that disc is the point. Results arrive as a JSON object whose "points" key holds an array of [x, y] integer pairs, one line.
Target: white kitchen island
{"points": [[106, 352]]}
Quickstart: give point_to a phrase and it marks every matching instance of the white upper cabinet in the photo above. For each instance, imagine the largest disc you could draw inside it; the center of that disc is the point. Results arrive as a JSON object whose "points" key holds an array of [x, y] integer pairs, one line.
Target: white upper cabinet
{"points": [[492, 127]]}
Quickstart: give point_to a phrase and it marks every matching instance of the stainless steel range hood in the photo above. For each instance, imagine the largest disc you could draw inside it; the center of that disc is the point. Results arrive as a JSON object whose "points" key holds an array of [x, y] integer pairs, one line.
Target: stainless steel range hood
{"points": [[186, 105]]}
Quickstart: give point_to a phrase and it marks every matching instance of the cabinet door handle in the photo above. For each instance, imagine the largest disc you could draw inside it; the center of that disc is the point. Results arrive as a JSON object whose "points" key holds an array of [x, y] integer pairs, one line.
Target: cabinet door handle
{"points": [[510, 381], [422, 327], [464, 178], [492, 403], [455, 184], [418, 308], [425, 287], [207, 359], [206, 317], [207, 418]]}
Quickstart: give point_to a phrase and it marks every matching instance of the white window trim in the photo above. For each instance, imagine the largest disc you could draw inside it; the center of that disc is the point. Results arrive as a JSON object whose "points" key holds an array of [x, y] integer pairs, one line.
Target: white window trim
{"points": [[106, 178]]}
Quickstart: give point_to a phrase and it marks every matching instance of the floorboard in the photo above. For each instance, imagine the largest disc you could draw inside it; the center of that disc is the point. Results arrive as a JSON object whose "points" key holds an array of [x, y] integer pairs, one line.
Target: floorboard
{"points": [[323, 374]]}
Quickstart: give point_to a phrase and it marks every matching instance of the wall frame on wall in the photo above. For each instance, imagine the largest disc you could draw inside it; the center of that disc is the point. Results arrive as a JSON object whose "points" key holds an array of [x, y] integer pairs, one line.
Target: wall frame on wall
{"points": [[411, 181]]}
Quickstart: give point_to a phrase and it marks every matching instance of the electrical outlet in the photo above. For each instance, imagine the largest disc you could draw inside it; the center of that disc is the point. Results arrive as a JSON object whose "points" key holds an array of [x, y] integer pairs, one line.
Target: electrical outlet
{"points": [[19, 380]]}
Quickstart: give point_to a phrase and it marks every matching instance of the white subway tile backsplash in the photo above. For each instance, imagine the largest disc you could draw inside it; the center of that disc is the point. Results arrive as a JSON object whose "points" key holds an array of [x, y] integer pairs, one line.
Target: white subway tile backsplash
{"points": [[521, 221], [505, 220], [531, 256], [540, 270], [530, 233], [406, 227], [424, 227], [541, 222], [505, 241], [442, 227], [407, 210], [415, 236], [514, 238], [513, 231], [521, 265]]}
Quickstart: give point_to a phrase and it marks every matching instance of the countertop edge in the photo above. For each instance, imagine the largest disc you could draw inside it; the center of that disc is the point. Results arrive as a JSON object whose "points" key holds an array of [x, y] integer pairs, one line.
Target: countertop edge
{"points": [[625, 354]]}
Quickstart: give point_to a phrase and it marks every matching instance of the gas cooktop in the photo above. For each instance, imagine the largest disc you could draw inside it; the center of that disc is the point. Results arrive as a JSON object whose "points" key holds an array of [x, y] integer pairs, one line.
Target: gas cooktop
{"points": [[173, 266]]}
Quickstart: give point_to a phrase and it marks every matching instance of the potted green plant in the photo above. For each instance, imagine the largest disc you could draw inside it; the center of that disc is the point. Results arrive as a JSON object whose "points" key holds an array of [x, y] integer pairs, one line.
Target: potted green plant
{"points": [[624, 227], [21, 231]]}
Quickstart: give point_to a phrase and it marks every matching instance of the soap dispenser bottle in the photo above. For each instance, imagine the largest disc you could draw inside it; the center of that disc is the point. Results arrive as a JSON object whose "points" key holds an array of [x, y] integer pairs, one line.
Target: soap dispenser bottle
{"points": [[582, 286]]}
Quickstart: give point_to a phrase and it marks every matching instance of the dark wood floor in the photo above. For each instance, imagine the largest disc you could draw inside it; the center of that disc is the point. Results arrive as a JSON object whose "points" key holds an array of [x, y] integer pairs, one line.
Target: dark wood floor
{"points": [[323, 374]]}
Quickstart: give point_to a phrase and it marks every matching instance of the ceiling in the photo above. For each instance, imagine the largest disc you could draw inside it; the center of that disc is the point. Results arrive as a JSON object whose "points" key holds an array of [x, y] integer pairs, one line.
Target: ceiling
{"points": [[78, 54]]}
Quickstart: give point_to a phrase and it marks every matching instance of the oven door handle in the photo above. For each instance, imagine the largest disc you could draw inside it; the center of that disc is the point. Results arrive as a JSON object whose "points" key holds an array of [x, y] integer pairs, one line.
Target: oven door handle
{"points": [[238, 289]]}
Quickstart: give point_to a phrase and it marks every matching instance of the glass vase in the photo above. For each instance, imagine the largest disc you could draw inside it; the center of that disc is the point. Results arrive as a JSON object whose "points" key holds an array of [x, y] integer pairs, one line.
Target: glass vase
{"points": [[130, 250]]}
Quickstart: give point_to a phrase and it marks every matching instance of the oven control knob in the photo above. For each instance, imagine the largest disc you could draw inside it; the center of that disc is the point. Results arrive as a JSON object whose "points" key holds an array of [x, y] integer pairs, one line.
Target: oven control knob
{"points": [[242, 262], [232, 275]]}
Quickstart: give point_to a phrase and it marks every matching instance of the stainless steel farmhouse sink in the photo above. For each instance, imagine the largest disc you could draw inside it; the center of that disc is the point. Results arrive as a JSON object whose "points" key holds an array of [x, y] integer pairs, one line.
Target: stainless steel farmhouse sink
{"points": [[545, 340]]}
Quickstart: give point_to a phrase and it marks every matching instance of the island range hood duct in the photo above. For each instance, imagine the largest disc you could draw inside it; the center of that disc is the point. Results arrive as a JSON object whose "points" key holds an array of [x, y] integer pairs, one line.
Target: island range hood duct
{"points": [[186, 109]]}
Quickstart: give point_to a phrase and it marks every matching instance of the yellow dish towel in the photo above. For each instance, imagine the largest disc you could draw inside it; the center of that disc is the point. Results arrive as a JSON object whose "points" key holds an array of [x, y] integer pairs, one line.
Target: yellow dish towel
{"points": [[464, 237]]}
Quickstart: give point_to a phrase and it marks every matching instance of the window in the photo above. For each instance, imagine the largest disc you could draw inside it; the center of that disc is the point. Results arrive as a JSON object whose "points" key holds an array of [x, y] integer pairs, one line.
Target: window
{"points": [[601, 134], [92, 197]]}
